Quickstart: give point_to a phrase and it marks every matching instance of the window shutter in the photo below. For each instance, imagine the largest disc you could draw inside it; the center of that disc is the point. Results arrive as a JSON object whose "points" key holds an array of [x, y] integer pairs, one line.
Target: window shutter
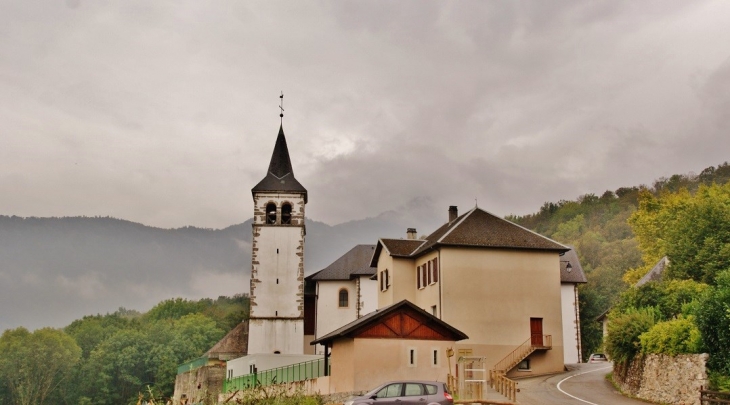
{"points": [[435, 270]]}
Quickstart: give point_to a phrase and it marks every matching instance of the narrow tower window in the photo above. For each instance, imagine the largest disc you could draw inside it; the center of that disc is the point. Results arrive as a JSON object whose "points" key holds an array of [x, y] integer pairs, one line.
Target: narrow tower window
{"points": [[270, 213], [344, 298], [286, 214]]}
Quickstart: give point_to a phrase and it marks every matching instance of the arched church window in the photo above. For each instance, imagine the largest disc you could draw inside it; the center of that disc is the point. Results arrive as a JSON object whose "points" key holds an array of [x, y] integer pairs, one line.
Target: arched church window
{"points": [[344, 298], [286, 214], [270, 213]]}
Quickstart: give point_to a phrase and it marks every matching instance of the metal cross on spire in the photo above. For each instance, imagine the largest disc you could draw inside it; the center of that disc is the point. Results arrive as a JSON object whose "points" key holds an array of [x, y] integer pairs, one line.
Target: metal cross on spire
{"points": [[281, 107]]}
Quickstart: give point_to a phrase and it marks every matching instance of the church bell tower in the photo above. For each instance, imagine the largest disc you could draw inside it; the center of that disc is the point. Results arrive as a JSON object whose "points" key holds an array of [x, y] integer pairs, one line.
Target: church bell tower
{"points": [[276, 323]]}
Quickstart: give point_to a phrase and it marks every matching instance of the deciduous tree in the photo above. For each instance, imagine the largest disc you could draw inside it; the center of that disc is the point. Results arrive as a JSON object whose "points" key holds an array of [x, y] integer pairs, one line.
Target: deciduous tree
{"points": [[33, 365]]}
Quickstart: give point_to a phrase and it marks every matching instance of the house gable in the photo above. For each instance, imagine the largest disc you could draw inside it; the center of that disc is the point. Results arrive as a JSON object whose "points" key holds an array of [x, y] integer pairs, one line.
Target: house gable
{"points": [[405, 325], [403, 320]]}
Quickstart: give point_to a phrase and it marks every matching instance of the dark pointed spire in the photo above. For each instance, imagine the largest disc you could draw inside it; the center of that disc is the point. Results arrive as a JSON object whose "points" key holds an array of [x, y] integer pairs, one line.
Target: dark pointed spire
{"points": [[280, 164], [281, 175]]}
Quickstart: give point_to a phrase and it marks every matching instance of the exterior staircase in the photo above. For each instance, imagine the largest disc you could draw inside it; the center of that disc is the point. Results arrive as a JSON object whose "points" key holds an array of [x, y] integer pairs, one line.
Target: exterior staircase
{"points": [[498, 375]]}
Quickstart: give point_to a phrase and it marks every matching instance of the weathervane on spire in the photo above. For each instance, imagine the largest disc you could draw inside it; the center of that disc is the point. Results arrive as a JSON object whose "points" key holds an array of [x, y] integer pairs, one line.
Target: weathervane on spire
{"points": [[281, 107]]}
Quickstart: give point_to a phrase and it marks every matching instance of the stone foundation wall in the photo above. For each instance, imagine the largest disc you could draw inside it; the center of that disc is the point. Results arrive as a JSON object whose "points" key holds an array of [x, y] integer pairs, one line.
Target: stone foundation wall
{"points": [[664, 379], [340, 397], [200, 385]]}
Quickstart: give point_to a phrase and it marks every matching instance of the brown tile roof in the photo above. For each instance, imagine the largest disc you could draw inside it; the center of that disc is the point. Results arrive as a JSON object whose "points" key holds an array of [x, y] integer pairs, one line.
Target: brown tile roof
{"points": [[576, 274], [356, 262], [480, 228], [233, 344], [476, 228], [396, 248], [401, 247]]}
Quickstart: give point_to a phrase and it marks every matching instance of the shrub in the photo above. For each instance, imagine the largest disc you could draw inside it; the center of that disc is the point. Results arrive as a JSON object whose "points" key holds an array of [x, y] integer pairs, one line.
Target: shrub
{"points": [[624, 329], [678, 336], [275, 395], [713, 321]]}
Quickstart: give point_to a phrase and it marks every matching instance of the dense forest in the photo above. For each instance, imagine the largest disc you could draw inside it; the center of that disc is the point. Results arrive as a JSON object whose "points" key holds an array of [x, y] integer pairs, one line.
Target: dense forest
{"points": [[111, 359]]}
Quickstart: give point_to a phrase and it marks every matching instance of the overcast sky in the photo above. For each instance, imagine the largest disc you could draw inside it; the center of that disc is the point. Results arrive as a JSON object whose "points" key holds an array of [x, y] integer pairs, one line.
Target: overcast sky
{"points": [[166, 112]]}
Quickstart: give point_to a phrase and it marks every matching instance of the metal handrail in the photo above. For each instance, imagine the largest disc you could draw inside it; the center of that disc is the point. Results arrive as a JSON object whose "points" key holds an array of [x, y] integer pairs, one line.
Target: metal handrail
{"points": [[306, 370], [522, 351], [192, 365]]}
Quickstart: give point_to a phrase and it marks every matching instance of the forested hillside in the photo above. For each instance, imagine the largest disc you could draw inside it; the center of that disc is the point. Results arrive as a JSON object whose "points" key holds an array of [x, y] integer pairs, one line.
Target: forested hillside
{"points": [[611, 254], [110, 359]]}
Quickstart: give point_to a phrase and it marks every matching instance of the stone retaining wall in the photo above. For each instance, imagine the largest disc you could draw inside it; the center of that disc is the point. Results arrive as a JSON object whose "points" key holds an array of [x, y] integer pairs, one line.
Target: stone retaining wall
{"points": [[664, 379]]}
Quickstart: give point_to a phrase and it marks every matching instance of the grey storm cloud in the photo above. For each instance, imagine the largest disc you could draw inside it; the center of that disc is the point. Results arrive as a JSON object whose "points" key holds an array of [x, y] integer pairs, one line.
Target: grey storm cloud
{"points": [[165, 113]]}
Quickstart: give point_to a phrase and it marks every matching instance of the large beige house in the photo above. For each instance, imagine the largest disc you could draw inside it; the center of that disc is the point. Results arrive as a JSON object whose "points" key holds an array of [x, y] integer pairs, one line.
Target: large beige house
{"points": [[496, 281]]}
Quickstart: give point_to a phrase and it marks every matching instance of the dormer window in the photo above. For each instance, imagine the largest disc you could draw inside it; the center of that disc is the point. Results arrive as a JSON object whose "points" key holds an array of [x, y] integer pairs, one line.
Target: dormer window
{"points": [[286, 214], [270, 213]]}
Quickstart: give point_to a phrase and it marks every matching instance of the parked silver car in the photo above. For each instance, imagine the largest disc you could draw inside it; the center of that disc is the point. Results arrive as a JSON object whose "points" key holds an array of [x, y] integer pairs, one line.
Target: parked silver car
{"points": [[405, 393], [597, 358]]}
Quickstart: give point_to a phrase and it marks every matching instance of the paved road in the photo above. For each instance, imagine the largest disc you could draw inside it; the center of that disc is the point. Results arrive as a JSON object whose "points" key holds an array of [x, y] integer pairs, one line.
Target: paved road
{"points": [[585, 384]]}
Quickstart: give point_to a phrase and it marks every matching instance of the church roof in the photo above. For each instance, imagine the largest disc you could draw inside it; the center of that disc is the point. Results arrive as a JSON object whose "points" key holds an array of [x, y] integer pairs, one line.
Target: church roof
{"points": [[476, 228], [354, 263], [280, 176]]}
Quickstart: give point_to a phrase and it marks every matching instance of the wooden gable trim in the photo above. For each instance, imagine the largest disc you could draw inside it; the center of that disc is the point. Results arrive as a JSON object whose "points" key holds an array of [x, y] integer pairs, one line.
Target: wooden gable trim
{"points": [[404, 325]]}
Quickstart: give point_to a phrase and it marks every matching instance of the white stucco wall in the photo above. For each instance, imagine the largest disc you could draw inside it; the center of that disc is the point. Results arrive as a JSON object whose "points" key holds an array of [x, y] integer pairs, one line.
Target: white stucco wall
{"points": [[278, 289], [570, 326], [270, 336], [277, 277], [368, 295], [329, 315]]}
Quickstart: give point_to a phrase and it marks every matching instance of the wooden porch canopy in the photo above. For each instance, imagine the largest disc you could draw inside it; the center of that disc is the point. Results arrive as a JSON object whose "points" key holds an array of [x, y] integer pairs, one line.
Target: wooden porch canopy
{"points": [[403, 320]]}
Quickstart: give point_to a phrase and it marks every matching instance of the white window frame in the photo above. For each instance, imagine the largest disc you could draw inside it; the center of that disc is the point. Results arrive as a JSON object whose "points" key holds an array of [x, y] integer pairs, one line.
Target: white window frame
{"points": [[432, 272]]}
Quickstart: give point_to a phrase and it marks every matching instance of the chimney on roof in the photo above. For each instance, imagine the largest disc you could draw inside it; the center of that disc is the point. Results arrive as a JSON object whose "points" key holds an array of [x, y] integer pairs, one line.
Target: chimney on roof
{"points": [[453, 212], [411, 233]]}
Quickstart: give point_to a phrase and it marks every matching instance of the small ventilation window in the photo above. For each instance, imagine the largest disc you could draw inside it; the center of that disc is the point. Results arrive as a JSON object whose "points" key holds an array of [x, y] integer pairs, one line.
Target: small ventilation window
{"points": [[270, 213], [286, 214], [412, 358]]}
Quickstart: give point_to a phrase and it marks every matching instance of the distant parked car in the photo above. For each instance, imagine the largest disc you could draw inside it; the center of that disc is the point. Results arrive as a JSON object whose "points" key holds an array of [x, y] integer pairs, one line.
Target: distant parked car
{"points": [[597, 358], [406, 392]]}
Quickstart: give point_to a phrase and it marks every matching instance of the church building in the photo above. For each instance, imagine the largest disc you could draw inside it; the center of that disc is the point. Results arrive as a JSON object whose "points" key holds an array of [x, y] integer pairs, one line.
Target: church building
{"points": [[276, 324]]}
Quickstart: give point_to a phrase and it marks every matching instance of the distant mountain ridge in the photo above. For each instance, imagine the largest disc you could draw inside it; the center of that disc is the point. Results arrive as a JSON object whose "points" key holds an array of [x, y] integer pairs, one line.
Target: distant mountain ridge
{"points": [[54, 270]]}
